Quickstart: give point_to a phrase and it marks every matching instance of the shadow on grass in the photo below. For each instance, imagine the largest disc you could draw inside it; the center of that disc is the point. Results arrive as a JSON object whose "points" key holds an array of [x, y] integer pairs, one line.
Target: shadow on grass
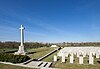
{"points": [[58, 59], [31, 52], [98, 62], [35, 60], [88, 61], [66, 59]]}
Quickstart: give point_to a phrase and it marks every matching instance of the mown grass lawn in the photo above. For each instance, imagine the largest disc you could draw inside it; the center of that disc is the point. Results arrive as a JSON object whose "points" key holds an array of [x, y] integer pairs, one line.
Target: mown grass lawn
{"points": [[39, 52], [6, 66]]}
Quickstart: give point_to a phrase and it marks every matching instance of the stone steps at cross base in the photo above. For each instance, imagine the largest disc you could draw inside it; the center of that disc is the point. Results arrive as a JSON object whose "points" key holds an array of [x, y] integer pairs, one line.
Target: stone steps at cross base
{"points": [[45, 64], [40, 64], [49, 64]]}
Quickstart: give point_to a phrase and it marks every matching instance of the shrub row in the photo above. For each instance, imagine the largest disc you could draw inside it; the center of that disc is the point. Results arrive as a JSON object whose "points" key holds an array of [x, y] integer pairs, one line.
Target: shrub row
{"points": [[5, 57]]}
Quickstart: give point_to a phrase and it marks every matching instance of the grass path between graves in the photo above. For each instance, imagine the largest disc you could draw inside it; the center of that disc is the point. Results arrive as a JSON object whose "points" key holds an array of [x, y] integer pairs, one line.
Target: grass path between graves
{"points": [[50, 58], [76, 64]]}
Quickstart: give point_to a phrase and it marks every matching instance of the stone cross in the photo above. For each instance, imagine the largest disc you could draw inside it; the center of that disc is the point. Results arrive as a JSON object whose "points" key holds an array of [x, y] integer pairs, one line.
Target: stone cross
{"points": [[22, 34], [21, 50]]}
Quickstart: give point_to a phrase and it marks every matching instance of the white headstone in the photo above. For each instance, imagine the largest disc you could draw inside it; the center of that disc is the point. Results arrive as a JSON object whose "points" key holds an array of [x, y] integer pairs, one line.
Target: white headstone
{"points": [[55, 58], [63, 58], [80, 59], [94, 53], [75, 53], [84, 54], [78, 54], [71, 57], [97, 54], [66, 54], [91, 59]]}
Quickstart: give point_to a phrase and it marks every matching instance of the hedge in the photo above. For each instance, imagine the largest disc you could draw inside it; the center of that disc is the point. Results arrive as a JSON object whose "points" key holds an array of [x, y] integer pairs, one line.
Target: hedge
{"points": [[5, 57]]}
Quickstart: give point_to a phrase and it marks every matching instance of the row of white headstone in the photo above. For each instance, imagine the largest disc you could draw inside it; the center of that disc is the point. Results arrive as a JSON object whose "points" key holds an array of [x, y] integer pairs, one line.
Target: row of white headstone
{"points": [[81, 56]]}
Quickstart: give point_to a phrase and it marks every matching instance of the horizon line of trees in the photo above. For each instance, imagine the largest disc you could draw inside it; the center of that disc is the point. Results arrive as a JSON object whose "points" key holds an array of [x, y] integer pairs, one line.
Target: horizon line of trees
{"points": [[79, 44], [10, 44]]}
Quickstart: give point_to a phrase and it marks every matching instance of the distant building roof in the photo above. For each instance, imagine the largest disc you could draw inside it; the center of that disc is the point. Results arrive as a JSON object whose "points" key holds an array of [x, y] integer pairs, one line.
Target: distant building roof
{"points": [[53, 45]]}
